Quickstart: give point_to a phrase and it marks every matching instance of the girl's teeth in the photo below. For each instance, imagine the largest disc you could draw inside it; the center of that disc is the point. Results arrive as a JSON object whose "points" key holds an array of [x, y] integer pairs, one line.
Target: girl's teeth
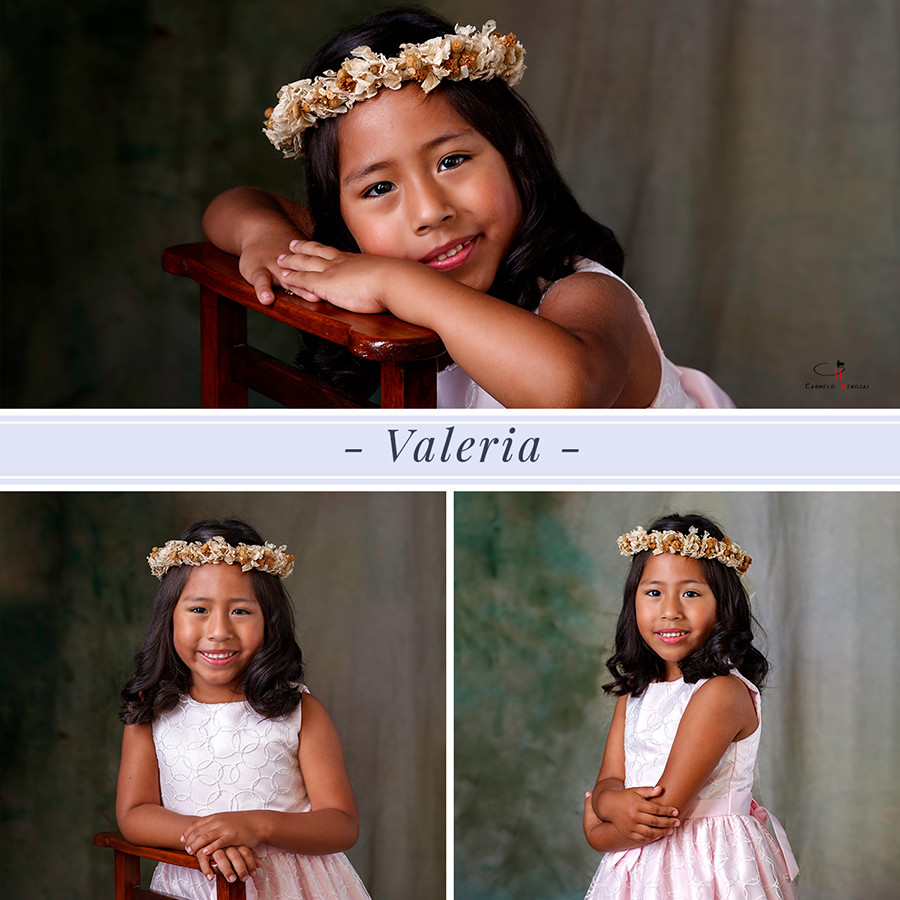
{"points": [[452, 252]]}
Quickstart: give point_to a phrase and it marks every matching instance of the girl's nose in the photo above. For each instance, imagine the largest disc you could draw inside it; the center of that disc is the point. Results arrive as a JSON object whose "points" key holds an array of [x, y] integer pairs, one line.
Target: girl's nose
{"points": [[219, 627], [430, 207], [670, 607]]}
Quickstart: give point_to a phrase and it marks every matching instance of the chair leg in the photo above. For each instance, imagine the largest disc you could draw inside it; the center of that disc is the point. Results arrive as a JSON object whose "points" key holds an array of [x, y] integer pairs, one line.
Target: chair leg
{"points": [[411, 385], [127, 874], [223, 324]]}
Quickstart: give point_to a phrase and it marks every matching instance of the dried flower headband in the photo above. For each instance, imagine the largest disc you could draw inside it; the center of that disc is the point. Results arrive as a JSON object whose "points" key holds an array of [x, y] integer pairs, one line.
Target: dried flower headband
{"points": [[467, 54], [690, 545], [265, 557]]}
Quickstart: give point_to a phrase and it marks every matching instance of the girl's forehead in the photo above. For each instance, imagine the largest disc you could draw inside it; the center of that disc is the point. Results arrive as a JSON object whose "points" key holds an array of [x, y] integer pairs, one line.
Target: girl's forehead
{"points": [[219, 578], [401, 118], [672, 567]]}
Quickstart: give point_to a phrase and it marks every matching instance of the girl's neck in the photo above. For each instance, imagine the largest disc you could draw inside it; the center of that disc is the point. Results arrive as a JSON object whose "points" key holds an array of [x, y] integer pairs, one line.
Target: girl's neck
{"points": [[210, 698]]}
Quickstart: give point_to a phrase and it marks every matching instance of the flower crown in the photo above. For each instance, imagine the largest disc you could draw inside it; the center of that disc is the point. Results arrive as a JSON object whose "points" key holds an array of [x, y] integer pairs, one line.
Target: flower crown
{"points": [[265, 557], [466, 54], [690, 544]]}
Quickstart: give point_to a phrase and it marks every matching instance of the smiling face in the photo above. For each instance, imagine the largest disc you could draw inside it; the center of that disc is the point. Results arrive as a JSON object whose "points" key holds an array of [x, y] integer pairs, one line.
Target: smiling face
{"points": [[217, 628], [418, 182], [675, 608]]}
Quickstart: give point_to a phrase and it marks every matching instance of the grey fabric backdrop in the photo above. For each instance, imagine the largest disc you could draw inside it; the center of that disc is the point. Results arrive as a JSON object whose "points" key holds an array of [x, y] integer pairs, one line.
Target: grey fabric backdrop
{"points": [[75, 598], [537, 596], [745, 151]]}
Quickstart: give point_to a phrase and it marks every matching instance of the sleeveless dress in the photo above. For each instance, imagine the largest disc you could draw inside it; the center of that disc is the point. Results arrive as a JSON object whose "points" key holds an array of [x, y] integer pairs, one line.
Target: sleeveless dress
{"points": [[218, 757], [722, 849], [679, 388]]}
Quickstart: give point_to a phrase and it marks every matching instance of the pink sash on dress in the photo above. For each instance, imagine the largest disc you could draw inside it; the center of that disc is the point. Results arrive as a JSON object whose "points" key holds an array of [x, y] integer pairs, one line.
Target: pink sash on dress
{"points": [[743, 804]]}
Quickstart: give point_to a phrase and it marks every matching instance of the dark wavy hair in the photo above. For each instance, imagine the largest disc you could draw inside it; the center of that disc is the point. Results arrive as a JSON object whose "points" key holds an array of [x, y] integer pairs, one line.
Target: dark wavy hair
{"points": [[730, 645], [554, 229], [160, 677]]}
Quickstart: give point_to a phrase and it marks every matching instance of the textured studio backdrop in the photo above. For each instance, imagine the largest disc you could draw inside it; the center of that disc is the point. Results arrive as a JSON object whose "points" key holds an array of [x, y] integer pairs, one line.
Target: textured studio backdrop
{"points": [[538, 591], [746, 152], [75, 599]]}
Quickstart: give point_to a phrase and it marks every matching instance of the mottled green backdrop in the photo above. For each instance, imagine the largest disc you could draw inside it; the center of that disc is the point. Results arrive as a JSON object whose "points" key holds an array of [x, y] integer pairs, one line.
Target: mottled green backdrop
{"points": [[537, 595], [75, 599]]}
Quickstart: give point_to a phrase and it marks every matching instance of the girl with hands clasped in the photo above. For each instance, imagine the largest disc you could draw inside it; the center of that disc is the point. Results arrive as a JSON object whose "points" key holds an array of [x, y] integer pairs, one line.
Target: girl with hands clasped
{"points": [[225, 753], [672, 807], [433, 195]]}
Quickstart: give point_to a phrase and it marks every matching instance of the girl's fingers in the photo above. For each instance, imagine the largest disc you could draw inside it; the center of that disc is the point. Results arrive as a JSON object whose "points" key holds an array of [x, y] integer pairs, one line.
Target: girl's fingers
{"points": [[235, 865], [313, 248], [262, 284], [206, 866], [299, 262]]}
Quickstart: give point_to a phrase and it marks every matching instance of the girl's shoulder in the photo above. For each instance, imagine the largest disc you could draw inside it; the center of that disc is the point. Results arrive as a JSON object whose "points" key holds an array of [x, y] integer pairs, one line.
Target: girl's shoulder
{"points": [[731, 696], [595, 291]]}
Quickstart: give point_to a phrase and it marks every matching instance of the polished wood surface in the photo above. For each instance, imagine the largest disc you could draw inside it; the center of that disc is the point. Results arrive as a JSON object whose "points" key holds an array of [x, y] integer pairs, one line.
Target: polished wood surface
{"points": [[128, 868], [407, 353]]}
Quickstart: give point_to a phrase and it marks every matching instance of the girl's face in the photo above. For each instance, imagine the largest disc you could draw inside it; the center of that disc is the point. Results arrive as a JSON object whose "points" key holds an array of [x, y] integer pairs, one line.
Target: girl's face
{"points": [[217, 626], [418, 182], [675, 608]]}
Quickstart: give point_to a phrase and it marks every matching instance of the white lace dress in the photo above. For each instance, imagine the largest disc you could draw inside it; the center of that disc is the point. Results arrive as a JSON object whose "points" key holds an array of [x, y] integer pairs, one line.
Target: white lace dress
{"points": [[679, 387], [722, 849], [217, 757]]}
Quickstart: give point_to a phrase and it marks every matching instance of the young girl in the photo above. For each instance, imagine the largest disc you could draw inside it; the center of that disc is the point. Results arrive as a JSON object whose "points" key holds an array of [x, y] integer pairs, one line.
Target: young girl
{"points": [[221, 756], [672, 808], [433, 194]]}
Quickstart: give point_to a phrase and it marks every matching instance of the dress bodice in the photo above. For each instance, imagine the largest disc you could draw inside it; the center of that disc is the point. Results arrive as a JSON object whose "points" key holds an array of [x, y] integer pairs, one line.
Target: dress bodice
{"points": [[205, 751], [651, 722]]}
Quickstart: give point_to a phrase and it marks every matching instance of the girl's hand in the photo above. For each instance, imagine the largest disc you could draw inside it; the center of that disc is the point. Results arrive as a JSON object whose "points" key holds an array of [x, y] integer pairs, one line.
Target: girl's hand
{"points": [[354, 281], [590, 819], [257, 226], [635, 814], [260, 266], [233, 862], [206, 835]]}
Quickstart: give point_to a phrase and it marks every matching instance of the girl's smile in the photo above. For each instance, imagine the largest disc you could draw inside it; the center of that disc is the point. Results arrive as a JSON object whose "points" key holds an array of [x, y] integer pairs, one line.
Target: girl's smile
{"points": [[217, 627], [418, 182], [675, 608]]}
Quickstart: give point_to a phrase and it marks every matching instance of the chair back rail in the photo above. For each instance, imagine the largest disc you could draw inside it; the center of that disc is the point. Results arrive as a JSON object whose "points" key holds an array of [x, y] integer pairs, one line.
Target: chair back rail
{"points": [[128, 869]]}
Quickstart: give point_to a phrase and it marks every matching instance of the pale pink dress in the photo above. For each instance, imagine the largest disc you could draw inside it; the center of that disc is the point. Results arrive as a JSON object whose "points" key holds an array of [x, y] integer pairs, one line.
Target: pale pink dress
{"points": [[722, 849], [216, 757], [679, 387]]}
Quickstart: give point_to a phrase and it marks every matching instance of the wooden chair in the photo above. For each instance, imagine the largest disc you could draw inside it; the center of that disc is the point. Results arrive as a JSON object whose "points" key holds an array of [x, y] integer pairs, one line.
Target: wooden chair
{"points": [[407, 353], [128, 869]]}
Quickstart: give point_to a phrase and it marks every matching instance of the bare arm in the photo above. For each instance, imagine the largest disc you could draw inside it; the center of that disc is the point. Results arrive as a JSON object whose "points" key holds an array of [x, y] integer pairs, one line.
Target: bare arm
{"points": [[144, 820], [587, 348], [257, 226], [139, 811], [616, 817], [330, 826], [720, 712]]}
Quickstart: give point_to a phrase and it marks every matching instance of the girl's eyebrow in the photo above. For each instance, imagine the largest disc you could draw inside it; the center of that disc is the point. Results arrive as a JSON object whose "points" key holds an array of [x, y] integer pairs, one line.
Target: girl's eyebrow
{"points": [[683, 581], [370, 169], [192, 599]]}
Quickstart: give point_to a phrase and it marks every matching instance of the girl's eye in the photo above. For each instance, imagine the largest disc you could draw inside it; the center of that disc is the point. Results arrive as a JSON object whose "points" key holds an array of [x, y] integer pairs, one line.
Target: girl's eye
{"points": [[197, 609], [691, 594], [653, 593], [240, 612], [379, 190], [452, 162]]}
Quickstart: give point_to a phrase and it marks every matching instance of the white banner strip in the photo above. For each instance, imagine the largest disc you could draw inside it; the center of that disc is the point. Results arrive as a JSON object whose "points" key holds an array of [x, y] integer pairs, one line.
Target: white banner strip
{"points": [[255, 447]]}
